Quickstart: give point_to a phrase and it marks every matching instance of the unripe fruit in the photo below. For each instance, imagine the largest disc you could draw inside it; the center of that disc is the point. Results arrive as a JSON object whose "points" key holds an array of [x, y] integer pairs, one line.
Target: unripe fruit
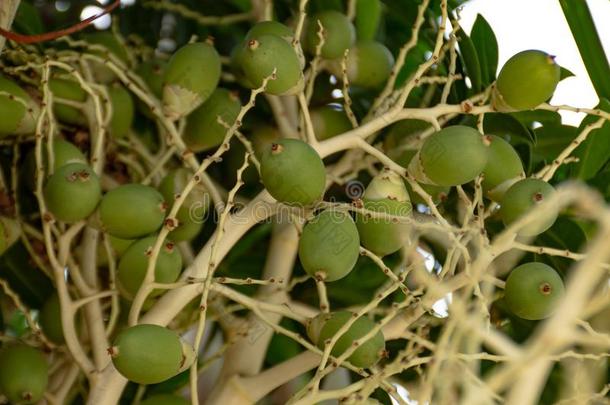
{"points": [[329, 121], [72, 192], [386, 194], [122, 111], [526, 80], [147, 354], [503, 169], [50, 320], [533, 291], [24, 374], [438, 193], [132, 211], [165, 399], [293, 172], [203, 131], [522, 197], [259, 57], [118, 245], [262, 137], [369, 64], [152, 72], [191, 214], [64, 153], [325, 326], [450, 157], [101, 72], [190, 77], [270, 28], [339, 34], [69, 90], [368, 16], [18, 112], [329, 246], [134, 262]]}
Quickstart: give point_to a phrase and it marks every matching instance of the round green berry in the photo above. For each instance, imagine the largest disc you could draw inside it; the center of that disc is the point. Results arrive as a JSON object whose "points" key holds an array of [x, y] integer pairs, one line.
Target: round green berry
{"points": [[50, 320], [338, 33], [503, 168], [132, 211], [106, 39], [147, 354], [450, 157], [329, 121], [18, 112], [190, 77], [203, 131], [64, 152], [72, 192], [329, 246], [134, 262], [526, 80], [293, 172], [533, 291], [522, 197], [69, 90], [369, 64], [122, 111], [24, 374]]}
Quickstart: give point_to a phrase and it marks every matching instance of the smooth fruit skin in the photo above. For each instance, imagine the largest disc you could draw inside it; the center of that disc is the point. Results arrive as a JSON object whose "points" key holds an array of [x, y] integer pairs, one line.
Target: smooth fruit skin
{"points": [[329, 121], [50, 320], [503, 168], [101, 72], [385, 194], [190, 77], [368, 16], [438, 193], [453, 156], [165, 399], [522, 197], [270, 27], [259, 57], [533, 291], [72, 192], [64, 153], [191, 214], [364, 356], [203, 131], [24, 374], [369, 64], [147, 354], [293, 172], [526, 80], [132, 211], [339, 34], [122, 111], [68, 90], [329, 246], [18, 112], [152, 73], [134, 262]]}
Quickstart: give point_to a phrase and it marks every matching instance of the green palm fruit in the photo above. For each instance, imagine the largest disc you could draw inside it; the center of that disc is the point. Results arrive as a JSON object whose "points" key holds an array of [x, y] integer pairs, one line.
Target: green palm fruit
{"points": [[270, 28], [533, 291], [152, 73], [368, 16], [236, 64], [191, 214], [503, 169], [72, 192], [325, 326], [9, 233], [132, 211], [18, 112], [68, 90], [438, 193], [102, 73], [203, 131], [165, 399], [147, 354], [339, 34], [259, 57], [122, 111], [134, 262], [262, 137], [526, 80], [50, 320], [64, 152], [329, 246], [385, 194], [24, 374], [118, 245], [523, 196], [293, 172], [329, 121], [369, 65], [452, 156], [190, 77]]}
